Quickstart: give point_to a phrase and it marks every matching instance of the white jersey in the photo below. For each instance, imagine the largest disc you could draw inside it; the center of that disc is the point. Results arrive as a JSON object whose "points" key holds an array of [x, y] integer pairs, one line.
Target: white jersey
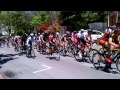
{"points": [[108, 30], [40, 37], [28, 39], [83, 35]]}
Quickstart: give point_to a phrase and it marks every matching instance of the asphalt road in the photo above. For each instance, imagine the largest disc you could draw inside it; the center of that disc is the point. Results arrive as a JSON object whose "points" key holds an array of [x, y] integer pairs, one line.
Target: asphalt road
{"points": [[15, 66]]}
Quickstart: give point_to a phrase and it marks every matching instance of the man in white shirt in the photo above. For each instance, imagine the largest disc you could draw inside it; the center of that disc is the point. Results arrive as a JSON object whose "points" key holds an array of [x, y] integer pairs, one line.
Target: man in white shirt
{"points": [[108, 29], [30, 40]]}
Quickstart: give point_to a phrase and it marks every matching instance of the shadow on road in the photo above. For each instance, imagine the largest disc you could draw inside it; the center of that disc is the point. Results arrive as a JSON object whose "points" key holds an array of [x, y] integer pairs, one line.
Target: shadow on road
{"points": [[53, 58], [4, 58], [111, 71]]}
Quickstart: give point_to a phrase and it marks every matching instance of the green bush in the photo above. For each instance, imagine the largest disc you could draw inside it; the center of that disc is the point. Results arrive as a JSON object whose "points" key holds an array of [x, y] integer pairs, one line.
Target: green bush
{"points": [[19, 32], [1, 34]]}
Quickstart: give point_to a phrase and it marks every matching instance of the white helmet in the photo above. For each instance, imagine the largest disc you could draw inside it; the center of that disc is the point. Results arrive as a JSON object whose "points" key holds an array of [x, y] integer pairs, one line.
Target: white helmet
{"points": [[31, 34], [57, 33]]}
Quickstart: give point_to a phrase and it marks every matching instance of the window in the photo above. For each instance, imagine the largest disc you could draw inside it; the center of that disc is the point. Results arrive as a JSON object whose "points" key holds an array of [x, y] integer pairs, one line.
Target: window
{"points": [[96, 33], [118, 16]]}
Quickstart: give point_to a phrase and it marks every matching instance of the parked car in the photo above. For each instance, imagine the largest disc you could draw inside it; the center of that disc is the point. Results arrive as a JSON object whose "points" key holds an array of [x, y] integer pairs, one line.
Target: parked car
{"points": [[95, 34]]}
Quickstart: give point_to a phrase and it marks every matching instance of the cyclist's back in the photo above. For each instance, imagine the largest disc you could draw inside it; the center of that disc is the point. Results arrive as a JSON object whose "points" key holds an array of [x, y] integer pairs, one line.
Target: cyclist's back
{"points": [[29, 41], [45, 36]]}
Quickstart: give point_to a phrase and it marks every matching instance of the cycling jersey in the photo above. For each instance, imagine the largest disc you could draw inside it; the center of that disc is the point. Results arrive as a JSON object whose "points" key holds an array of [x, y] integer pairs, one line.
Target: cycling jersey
{"points": [[112, 36], [75, 39], [65, 35], [105, 38], [81, 36], [52, 38], [45, 36], [29, 41]]}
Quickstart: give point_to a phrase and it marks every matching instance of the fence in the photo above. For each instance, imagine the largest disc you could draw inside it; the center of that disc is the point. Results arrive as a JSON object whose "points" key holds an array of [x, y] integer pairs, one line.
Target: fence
{"points": [[98, 26], [63, 29]]}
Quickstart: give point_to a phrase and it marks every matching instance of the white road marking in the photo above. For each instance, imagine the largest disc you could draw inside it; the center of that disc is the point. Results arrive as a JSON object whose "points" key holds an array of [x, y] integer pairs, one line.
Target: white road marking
{"points": [[47, 67]]}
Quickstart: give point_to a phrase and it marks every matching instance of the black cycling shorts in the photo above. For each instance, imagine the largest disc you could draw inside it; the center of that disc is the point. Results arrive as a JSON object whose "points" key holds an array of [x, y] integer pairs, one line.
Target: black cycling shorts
{"points": [[81, 41]]}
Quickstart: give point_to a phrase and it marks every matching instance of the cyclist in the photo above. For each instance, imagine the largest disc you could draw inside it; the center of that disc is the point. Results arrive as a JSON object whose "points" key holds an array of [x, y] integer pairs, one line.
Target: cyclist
{"points": [[74, 37], [110, 41], [84, 39], [16, 41], [45, 36], [23, 41], [29, 41], [52, 41], [65, 38], [44, 39]]}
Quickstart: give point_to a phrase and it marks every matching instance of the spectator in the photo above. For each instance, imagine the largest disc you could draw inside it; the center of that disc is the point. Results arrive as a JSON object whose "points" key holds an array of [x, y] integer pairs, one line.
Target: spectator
{"points": [[108, 29]]}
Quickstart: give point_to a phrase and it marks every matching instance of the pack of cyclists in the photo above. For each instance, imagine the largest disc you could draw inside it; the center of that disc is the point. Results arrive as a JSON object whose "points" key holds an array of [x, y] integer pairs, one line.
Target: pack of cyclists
{"points": [[83, 39]]}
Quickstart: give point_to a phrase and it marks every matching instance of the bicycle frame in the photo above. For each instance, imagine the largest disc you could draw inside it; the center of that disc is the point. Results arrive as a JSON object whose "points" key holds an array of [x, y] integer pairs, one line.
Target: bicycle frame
{"points": [[117, 55]]}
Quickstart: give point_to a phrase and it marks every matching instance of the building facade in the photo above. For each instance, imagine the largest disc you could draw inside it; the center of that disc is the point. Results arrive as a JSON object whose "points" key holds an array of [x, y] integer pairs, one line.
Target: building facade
{"points": [[114, 18]]}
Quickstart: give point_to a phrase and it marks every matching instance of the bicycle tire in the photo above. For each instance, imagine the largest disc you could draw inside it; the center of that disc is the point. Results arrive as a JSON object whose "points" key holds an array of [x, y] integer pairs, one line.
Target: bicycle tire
{"points": [[27, 55], [32, 53], [78, 55], [62, 51], [99, 62], [91, 52], [21, 49], [57, 51], [118, 64]]}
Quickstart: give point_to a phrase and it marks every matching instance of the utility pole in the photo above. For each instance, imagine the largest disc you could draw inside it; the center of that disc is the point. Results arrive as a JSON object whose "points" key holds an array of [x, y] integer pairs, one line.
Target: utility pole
{"points": [[108, 19]]}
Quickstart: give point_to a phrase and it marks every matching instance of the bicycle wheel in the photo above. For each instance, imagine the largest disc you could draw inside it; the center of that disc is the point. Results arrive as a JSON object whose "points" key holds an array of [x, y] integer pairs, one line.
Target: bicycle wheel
{"points": [[90, 54], [62, 51], [98, 61], [32, 53], [118, 64], [103, 50], [78, 54], [21, 49], [27, 53], [57, 53]]}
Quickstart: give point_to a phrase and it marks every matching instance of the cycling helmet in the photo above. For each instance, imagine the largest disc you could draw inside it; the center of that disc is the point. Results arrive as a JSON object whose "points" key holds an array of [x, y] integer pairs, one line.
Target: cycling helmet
{"points": [[67, 32], [57, 33], [31, 34]]}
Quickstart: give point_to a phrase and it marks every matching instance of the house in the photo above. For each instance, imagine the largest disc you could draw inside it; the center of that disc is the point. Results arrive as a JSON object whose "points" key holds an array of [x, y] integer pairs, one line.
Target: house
{"points": [[114, 18]]}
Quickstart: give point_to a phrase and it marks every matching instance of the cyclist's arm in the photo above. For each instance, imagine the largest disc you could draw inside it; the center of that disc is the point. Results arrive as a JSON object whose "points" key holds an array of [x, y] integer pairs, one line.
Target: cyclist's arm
{"points": [[65, 39], [85, 38], [42, 39], [111, 43], [27, 42], [49, 40]]}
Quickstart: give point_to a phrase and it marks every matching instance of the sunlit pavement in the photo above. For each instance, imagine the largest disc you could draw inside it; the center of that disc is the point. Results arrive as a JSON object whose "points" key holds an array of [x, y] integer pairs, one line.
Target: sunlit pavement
{"points": [[16, 66]]}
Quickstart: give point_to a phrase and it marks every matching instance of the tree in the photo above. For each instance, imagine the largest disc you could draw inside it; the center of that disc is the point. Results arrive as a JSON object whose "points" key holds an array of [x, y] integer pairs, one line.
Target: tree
{"points": [[56, 25], [38, 18], [20, 22], [81, 19]]}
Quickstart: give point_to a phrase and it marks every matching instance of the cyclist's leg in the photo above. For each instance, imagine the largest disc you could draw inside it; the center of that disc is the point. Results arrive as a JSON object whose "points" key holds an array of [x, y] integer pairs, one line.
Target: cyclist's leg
{"points": [[82, 44], [108, 59]]}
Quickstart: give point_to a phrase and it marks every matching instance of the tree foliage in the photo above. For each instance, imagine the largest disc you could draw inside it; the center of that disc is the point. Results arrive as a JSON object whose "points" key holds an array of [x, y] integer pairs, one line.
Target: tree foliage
{"points": [[39, 17], [81, 19]]}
